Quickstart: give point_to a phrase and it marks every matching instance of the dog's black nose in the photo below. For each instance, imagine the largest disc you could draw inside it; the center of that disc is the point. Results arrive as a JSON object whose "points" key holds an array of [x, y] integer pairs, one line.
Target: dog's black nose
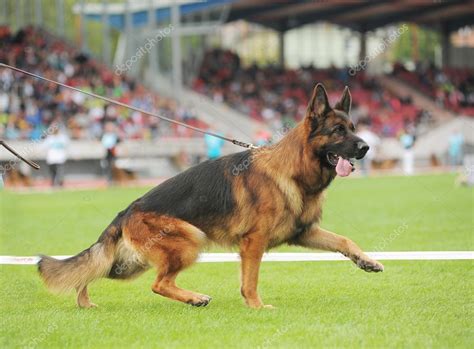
{"points": [[362, 149]]}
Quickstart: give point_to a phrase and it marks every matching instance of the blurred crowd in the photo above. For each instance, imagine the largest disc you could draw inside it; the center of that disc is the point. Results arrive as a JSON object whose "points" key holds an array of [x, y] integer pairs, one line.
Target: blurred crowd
{"points": [[271, 94], [28, 106], [280, 96], [451, 88]]}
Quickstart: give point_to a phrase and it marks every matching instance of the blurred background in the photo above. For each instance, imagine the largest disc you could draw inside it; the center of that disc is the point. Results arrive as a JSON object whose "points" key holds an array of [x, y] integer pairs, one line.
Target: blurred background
{"points": [[244, 69]]}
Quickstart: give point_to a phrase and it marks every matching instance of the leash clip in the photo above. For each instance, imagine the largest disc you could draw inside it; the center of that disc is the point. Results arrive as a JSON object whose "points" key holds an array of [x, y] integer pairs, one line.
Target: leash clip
{"points": [[243, 144]]}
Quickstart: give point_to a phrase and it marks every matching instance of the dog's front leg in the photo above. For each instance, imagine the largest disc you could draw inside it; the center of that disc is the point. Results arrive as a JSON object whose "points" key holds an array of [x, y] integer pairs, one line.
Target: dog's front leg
{"points": [[252, 247], [320, 238]]}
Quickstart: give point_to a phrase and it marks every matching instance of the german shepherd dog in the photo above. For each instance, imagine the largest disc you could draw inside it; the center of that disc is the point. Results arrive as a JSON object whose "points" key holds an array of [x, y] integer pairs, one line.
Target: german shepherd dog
{"points": [[275, 199]]}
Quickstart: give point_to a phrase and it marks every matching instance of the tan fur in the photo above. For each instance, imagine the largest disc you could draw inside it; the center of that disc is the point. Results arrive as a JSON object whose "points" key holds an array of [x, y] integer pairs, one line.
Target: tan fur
{"points": [[169, 244]]}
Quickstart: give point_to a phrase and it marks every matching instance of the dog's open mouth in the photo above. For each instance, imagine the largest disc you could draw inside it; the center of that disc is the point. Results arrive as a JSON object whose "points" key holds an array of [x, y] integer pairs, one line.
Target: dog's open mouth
{"points": [[343, 166]]}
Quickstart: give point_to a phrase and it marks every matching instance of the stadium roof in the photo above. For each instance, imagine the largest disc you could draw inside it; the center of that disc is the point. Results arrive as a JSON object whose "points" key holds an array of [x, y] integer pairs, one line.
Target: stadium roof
{"points": [[360, 16], [285, 15]]}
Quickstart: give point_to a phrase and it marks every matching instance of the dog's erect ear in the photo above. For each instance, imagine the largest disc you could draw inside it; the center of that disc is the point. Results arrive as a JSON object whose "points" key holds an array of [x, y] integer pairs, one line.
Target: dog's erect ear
{"points": [[319, 104], [345, 103]]}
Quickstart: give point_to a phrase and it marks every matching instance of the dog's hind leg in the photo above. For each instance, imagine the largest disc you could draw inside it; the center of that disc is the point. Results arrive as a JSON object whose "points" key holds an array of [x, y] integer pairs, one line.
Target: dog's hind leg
{"points": [[83, 300], [171, 245]]}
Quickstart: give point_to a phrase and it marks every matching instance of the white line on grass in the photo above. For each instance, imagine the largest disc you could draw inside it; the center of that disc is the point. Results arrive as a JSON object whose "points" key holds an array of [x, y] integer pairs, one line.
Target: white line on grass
{"points": [[296, 257]]}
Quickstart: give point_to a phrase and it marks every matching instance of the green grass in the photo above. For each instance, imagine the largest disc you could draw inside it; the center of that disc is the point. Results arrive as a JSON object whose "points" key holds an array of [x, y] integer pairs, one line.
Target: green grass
{"points": [[319, 304]]}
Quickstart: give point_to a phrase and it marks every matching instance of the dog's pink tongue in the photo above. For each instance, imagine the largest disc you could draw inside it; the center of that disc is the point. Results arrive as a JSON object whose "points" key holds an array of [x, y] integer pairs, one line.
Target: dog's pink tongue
{"points": [[343, 167]]}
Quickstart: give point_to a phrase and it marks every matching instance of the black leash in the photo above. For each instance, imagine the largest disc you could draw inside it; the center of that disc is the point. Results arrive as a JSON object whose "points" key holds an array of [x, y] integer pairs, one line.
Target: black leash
{"points": [[112, 101]]}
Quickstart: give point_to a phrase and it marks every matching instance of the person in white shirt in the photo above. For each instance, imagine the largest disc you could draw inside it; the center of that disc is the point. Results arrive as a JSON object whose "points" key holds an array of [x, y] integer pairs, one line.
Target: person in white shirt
{"points": [[110, 140], [373, 142], [407, 140], [56, 156]]}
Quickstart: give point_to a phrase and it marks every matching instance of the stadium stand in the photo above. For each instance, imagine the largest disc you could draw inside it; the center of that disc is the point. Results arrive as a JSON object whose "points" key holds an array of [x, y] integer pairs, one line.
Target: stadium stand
{"points": [[28, 107], [279, 96], [450, 87], [272, 95]]}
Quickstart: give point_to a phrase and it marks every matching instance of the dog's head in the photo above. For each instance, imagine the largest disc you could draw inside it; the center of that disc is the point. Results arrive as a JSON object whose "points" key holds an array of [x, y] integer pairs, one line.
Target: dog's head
{"points": [[331, 134]]}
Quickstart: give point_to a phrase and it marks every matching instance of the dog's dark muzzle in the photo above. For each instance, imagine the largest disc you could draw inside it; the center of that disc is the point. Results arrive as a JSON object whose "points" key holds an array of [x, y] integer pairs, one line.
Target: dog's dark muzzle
{"points": [[362, 149]]}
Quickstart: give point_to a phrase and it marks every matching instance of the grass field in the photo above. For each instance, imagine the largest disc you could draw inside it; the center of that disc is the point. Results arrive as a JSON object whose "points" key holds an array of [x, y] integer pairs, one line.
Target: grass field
{"points": [[318, 304]]}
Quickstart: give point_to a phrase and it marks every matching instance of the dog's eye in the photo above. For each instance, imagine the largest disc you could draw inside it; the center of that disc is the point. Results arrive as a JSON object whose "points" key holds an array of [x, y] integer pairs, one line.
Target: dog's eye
{"points": [[339, 129]]}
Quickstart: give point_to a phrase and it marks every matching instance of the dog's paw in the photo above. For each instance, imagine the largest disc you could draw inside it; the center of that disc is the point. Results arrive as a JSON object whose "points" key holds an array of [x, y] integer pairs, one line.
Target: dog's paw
{"points": [[259, 305], [262, 306], [370, 265], [200, 301], [87, 305]]}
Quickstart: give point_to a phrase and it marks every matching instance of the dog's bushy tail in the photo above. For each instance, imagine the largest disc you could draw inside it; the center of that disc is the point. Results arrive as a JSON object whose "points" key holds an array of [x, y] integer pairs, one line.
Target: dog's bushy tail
{"points": [[63, 275], [75, 272]]}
